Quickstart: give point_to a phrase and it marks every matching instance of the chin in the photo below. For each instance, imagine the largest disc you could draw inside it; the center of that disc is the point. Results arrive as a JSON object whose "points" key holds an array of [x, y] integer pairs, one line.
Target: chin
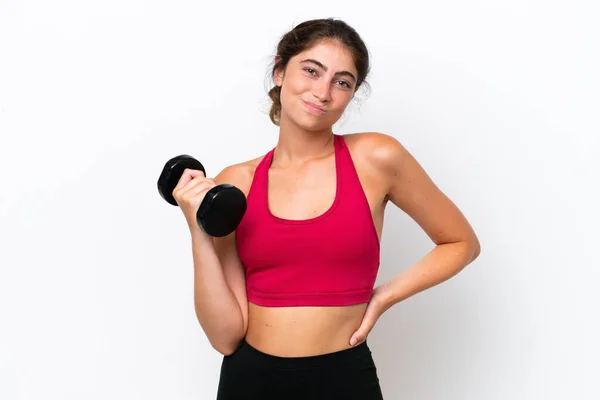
{"points": [[312, 123], [314, 126]]}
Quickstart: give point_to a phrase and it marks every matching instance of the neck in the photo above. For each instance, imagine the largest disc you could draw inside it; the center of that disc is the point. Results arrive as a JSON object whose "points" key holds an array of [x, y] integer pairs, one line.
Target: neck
{"points": [[296, 145]]}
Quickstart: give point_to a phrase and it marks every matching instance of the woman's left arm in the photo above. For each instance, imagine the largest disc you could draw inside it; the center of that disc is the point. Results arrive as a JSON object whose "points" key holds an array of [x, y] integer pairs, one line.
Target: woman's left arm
{"points": [[411, 189]]}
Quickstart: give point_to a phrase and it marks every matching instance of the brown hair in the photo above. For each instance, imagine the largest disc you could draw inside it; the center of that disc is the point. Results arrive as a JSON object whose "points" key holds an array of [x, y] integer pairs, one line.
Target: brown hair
{"points": [[307, 34]]}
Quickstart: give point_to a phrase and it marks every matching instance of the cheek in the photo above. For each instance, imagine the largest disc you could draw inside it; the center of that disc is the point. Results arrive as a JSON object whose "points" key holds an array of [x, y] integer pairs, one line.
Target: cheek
{"points": [[341, 100], [297, 85], [292, 92]]}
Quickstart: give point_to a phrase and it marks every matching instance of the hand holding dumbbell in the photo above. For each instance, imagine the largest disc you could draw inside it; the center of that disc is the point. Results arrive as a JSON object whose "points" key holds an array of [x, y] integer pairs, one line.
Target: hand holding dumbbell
{"points": [[222, 207]]}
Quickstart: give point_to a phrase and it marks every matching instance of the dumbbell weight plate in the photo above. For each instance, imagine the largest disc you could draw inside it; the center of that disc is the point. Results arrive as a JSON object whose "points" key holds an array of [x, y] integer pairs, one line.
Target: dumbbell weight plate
{"points": [[171, 174], [222, 210]]}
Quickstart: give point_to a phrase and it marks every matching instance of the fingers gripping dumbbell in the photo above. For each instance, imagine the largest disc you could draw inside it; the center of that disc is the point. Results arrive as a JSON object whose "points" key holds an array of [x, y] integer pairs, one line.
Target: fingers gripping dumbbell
{"points": [[223, 206]]}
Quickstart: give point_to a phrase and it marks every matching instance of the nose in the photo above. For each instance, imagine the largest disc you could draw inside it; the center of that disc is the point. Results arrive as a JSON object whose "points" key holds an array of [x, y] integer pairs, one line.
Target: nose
{"points": [[322, 90]]}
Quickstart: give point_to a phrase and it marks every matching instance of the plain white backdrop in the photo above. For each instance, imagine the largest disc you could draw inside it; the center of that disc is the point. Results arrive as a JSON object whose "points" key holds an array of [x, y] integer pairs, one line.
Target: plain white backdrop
{"points": [[498, 100]]}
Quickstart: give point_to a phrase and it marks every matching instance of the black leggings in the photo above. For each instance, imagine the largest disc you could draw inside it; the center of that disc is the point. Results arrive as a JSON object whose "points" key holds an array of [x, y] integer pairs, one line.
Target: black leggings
{"points": [[250, 374]]}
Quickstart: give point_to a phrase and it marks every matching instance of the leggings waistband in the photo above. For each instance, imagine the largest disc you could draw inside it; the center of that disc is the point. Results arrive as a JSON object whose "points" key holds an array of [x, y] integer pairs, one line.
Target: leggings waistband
{"points": [[261, 359]]}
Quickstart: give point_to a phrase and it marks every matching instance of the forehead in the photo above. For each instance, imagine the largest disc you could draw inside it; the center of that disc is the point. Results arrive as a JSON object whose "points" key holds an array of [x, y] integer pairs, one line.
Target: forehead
{"points": [[334, 55]]}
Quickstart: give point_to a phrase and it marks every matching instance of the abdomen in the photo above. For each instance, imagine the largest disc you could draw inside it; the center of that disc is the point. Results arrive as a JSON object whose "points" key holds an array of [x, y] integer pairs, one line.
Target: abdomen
{"points": [[302, 331]]}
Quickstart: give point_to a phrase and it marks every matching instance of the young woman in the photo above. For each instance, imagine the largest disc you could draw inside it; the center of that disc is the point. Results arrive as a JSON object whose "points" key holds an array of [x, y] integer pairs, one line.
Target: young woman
{"points": [[289, 298]]}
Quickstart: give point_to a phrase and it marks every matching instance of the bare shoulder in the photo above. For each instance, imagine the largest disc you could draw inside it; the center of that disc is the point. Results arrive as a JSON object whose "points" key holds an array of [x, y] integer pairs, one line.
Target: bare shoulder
{"points": [[378, 154], [377, 147], [240, 174]]}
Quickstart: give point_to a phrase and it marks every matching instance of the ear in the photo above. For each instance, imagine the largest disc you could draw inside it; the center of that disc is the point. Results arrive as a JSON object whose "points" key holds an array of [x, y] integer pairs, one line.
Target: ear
{"points": [[278, 77], [278, 74]]}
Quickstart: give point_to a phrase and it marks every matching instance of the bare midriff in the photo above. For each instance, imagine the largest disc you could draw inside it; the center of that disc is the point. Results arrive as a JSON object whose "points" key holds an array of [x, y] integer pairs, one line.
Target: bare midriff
{"points": [[302, 331]]}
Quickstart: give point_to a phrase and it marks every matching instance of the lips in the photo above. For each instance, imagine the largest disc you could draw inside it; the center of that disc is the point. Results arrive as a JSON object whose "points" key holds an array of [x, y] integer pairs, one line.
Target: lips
{"points": [[313, 107]]}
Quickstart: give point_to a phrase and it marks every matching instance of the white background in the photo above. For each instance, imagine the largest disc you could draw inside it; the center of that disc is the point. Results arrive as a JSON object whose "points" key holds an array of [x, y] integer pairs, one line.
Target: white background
{"points": [[498, 100]]}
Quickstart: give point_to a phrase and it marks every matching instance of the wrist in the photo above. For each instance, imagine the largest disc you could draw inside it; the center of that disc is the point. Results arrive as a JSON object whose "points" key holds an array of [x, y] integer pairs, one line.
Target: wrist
{"points": [[384, 297], [198, 235]]}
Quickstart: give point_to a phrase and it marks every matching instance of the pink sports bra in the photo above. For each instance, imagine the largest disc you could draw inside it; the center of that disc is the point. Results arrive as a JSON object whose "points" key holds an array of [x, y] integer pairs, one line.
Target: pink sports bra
{"points": [[328, 260]]}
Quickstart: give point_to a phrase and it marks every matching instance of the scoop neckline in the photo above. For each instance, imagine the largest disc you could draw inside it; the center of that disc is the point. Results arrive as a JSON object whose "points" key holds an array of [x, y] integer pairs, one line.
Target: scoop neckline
{"points": [[326, 213]]}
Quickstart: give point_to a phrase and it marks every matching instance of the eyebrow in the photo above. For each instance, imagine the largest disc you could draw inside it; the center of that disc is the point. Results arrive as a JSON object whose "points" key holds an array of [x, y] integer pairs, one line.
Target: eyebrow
{"points": [[341, 73]]}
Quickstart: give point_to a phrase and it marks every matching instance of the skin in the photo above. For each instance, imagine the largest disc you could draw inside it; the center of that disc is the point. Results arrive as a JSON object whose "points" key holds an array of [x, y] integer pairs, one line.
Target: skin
{"points": [[303, 160]]}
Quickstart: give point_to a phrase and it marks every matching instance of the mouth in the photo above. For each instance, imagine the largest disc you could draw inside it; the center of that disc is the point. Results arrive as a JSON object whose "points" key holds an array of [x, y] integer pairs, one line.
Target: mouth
{"points": [[313, 107]]}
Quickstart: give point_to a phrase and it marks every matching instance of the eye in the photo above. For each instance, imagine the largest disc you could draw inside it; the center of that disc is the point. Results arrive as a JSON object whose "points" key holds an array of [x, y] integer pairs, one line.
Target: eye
{"points": [[344, 83], [310, 70]]}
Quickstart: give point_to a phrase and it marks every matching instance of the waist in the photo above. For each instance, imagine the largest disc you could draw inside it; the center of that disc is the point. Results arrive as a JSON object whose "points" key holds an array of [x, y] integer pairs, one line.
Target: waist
{"points": [[254, 358], [302, 331]]}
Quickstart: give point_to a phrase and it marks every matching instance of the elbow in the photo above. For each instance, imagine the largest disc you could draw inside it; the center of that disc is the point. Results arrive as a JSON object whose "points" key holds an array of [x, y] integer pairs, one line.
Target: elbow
{"points": [[227, 348], [229, 340], [224, 351], [227, 352]]}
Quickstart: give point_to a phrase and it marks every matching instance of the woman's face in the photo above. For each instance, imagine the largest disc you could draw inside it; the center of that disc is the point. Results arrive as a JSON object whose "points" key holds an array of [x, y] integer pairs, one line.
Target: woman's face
{"points": [[317, 85]]}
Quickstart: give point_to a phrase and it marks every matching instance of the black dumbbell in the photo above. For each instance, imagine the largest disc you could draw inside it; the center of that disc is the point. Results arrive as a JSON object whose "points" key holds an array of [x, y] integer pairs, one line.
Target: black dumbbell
{"points": [[223, 206]]}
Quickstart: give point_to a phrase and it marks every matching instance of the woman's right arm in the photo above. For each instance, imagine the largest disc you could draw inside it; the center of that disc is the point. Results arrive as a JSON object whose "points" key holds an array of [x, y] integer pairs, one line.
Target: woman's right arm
{"points": [[220, 299], [219, 290]]}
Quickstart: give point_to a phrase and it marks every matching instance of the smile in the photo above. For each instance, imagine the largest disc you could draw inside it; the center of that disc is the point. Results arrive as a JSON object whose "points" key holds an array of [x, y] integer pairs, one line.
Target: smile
{"points": [[313, 108]]}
